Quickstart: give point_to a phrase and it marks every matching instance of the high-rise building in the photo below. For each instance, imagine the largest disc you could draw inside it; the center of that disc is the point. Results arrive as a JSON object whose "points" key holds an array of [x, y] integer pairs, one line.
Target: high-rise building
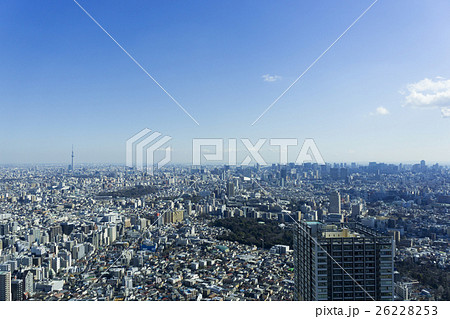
{"points": [[17, 290], [78, 251], [5, 286], [188, 207], [112, 233], [335, 203], [56, 264], [230, 189], [54, 232], [366, 256], [66, 257], [334, 173], [67, 228], [174, 216], [356, 210], [28, 286], [343, 173]]}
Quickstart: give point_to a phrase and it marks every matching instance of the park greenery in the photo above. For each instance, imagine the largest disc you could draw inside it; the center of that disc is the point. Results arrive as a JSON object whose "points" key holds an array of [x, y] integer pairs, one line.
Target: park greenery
{"points": [[251, 231]]}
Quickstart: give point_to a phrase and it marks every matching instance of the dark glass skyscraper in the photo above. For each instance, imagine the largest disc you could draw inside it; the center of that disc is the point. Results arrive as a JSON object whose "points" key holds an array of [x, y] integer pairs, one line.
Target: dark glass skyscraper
{"points": [[361, 265], [5, 286]]}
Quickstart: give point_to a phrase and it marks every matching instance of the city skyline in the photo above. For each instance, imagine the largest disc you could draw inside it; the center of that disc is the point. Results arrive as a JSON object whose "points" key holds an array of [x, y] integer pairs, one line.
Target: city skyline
{"points": [[380, 94], [225, 151], [376, 232]]}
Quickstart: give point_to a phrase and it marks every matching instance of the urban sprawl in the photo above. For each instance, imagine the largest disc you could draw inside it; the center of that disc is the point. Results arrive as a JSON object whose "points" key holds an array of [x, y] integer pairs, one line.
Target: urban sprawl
{"points": [[277, 232]]}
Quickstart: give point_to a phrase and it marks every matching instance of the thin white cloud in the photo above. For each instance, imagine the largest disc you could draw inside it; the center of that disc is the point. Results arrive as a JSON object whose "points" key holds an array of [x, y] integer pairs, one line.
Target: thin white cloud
{"points": [[429, 93], [445, 111], [380, 111], [271, 78]]}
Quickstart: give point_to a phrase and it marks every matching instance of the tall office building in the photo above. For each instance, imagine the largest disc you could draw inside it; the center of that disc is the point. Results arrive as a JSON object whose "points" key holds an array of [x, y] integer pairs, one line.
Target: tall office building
{"points": [[56, 264], [356, 210], [5, 286], [366, 256], [78, 251], [174, 216], [28, 283], [17, 290], [335, 203], [230, 189], [343, 174], [334, 173]]}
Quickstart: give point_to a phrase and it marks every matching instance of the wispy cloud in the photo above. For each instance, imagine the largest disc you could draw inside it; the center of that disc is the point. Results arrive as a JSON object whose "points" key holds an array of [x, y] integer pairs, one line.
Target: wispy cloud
{"points": [[271, 78], [445, 111], [380, 111], [429, 93]]}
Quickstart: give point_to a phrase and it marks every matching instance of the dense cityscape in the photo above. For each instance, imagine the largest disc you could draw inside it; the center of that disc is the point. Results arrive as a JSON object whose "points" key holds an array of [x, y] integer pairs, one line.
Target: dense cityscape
{"points": [[234, 159], [277, 232]]}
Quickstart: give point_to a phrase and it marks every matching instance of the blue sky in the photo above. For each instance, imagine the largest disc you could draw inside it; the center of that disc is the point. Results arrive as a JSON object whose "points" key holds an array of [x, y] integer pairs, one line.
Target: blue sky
{"points": [[64, 82]]}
